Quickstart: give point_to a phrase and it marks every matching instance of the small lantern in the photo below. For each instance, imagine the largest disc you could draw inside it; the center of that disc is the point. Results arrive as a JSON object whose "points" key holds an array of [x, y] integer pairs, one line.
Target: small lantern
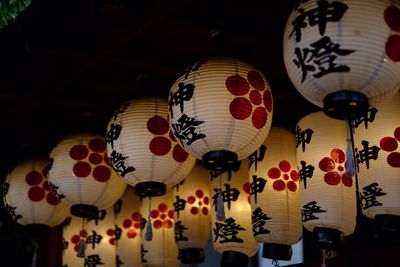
{"points": [[275, 194], [192, 215], [220, 110], [81, 175], [142, 148], [232, 235], [341, 55], [327, 189]]}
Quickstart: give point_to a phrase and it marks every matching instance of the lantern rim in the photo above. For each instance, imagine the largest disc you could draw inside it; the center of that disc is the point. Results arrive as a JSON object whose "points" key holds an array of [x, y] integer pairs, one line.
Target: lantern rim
{"points": [[234, 259], [84, 211], [345, 104], [327, 238], [219, 159], [277, 251], [192, 255], [150, 189]]}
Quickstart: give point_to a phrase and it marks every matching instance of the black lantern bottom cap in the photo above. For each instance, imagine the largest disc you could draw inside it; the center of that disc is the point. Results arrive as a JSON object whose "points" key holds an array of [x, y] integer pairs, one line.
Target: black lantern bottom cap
{"points": [[234, 259], [219, 159], [84, 211], [150, 189], [277, 251], [192, 255], [327, 238], [345, 104], [387, 226]]}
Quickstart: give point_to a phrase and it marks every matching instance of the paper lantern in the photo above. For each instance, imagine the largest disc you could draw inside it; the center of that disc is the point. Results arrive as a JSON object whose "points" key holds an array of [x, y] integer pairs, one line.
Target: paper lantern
{"points": [[220, 110], [377, 145], [161, 250], [142, 148], [340, 55], [233, 237], [81, 175], [275, 194], [192, 215], [327, 191], [28, 197]]}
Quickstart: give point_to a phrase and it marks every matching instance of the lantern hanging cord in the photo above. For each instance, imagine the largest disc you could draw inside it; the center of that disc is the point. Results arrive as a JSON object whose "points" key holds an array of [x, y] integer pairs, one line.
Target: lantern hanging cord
{"points": [[81, 246], [350, 164], [220, 214], [149, 229], [275, 263]]}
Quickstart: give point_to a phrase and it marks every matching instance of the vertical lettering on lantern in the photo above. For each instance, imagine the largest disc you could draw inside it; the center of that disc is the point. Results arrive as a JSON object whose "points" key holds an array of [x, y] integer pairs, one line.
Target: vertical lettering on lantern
{"points": [[186, 130], [118, 261], [94, 239], [11, 212], [54, 190], [259, 220], [143, 253], [257, 186], [305, 171], [366, 118], [179, 228], [178, 98], [100, 216], [228, 195], [118, 162], [309, 210], [218, 172], [369, 196], [179, 205], [303, 137], [113, 134], [257, 156], [93, 260], [227, 231], [366, 154]]}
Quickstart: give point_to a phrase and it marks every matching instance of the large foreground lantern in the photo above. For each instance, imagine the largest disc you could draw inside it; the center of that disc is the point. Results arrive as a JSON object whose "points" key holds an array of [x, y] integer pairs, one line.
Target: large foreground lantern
{"points": [[275, 201], [327, 186], [142, 148], [341, 55], [220, 110]]}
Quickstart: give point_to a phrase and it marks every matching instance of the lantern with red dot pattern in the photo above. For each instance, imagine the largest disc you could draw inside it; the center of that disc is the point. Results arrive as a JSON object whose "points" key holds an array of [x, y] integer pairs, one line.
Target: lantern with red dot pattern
{"points": [[220, 110], [275, 201], [28, 197], [340, 55], [192, 215], [328, 196], [143, 149], [81, 175]]}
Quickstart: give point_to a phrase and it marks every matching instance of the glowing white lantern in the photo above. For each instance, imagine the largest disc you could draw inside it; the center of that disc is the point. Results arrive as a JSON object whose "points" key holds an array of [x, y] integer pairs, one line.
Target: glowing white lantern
{"points": [[233, 237], [220, 110], [377, 145], [142, 148], [342, 54], [192, 215], [28, 197], [81, 175], [275, 201], [327, 191]]}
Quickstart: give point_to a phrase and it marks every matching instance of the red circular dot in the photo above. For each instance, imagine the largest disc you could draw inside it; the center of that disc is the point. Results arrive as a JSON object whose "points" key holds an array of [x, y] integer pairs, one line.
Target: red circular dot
{"points": [[179, 154], [284, 165], [101, 173], [393, 47], [256, 80], [110, 232], [388, 144], [168, 224], [240, 108], [237, 85], [326, 164], [136, 216], [340, 168], [82, 169], [163, 216], [33, 178], [52, 199], [292, 186], [286, 177], [267, 99], [172, 136], [191, 199], [294, 175], [199, 193], [259, 117], [158, 125], [131, 233], [204, 210], [206, 200], [106, 159], [36, 193], [279, 185], [392, 15], [136, 225], [79, 152], [338, 155], [171, 214], [194, 210], [127, 223], [154, 213], [157, 224], [255, 97], [46, 186], [274, 173], [82, 233], [160, 145], [95, 158], [347, 180], [163, 207], [75, 239], [97, 145], [397, 134], [246, 188], [394, 159], [112, 241], [332, 178]]}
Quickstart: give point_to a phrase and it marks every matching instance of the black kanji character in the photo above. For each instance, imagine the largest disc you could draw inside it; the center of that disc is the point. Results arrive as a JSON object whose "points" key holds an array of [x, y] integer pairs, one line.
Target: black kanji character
{"points": [[117, 206], [368, 116], [186, 128], [309, 210], [4, 189], [11, 212], [228, 195], [259, 219], [184, 93], [227, 231], [257, 156], [303, 137], [143, 253], [121, 110], [93, 260], [118, 163], [369, 196], [306, 171], [179, 205], [366, 154], [54, 190], [257, 186], [118, 232], [118, 261], [179, 228], [113, 134], [94, 239], [219, 171], [193, 67]]}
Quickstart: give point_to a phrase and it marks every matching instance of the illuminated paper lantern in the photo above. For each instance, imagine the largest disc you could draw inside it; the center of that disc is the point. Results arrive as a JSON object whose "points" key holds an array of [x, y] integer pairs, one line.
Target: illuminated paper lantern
{"points": [[28, 197], [142, 148], [161, 250], [81, 175], [192, 215], [220, 110], [328, 196], [340, 55], [275, 194], [377, 145], [233, 237]]}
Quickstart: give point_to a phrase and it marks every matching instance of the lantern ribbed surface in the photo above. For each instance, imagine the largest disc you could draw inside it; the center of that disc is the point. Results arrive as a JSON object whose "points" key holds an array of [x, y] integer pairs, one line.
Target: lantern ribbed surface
{"points": [[28, 197], [192, 204], [377, 144], [141, 146], [327, 193], [234, 233], [220, 104], [81, 173], [355, 46], [274, 184]]}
